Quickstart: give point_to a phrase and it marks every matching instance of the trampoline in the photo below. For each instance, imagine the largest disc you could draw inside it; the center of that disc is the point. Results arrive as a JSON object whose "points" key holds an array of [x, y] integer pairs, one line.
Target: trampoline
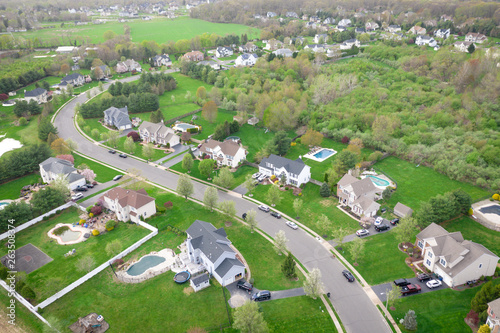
{"points": [[182, 277]]}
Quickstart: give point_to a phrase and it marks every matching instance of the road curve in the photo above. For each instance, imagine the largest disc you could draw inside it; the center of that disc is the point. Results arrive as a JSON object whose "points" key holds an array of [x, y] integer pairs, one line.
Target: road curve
{"points": [[357, 312]]}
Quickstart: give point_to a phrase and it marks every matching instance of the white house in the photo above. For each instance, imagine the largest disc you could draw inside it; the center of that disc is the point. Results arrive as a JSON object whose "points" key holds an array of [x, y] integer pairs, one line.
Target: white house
{"points": [[311, 25], [425, 40], [463, 46], [158, 134], [39, 95], [128, 65], [442, 33], [348, 44], [452, 258], [129, 205], [315, 47], [211, 248], [286, 53], [296, 171], [475, 38], [227, 153], [371, 26], [223, 51], [211, 63], [329, 20], [417, 30], [493, 320], [292, 15], [345, 22], [52, 167], [360, 195], [271, 14], [394, 28], [66, 49], [320, 38], [273, 44], [246, 59], [161, 60], [74, 79], [118, 118], [248, 47]]}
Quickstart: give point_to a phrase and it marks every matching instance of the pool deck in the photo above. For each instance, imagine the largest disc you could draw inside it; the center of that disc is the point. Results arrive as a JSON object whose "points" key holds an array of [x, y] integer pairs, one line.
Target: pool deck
{"points": [[315, 150], [490, 221], [80, 239], [168, 264], [384, 177]]}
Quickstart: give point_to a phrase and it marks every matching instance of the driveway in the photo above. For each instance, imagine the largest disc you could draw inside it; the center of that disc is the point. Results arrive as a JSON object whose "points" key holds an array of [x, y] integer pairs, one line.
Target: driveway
{"points": [[380, 289], [97, 188], [240, 296], [177, 149], [177, 159]]}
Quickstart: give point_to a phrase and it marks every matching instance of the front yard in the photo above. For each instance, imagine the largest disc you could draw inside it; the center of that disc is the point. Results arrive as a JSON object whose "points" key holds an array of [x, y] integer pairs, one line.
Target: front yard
{"points": [[103, 173]]}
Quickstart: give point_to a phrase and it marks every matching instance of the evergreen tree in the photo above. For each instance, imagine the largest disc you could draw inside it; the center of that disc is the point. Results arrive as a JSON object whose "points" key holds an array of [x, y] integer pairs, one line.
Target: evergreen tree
{"points": [[324, 190], [410, 320], [288, 266], [44, 128]]}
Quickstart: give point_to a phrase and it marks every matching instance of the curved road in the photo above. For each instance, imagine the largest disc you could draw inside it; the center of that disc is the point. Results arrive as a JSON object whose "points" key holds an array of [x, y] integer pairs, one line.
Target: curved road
{"points": [[356, 310]]}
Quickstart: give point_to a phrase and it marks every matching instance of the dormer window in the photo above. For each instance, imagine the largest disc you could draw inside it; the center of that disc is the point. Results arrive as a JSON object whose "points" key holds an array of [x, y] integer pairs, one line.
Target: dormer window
{"points": [[430, 254], [443, 262]]}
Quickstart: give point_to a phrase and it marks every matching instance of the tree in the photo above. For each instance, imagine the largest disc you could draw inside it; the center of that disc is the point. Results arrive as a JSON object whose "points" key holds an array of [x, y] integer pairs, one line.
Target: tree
{"points": [[187, 162], [225, 178], [345, 160], [312, 138], [51, 138], [250, 219], [61, 184], [313, 287], [209, 111], [148, 150], [114, 247], [357, 248], [288, 267], [44, 128], [86, 264], [129, 145], [59, 146], [249, 184], [391, 295], [95, 133], [185, 186], [134, 135], [274, 195], [280, 241], [201, 93], [281, 143], [297, 206], [228, 208], [405, 231], [157, 116], [410, 320], [113, 138], [324, 190], [206, 167], [88, 174], [471, 48], [68, 158], [47, 199], [109, 34], [338, 235], [387, 193], [324, 224], [483, 328], [211, 197], [480, 301], [249, 319], [19, 211]]}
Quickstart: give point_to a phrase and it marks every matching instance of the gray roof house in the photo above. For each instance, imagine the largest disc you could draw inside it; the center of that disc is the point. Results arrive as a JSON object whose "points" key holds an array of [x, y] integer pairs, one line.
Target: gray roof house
{"points": [[158, 133], [286, 53], [118, 118], [296, 171], [493, 311], [211, 248], [75, 79], [402, 210], [161, 60], [52, 167], [39, 95], [211, 63], [223, 51], [452, 258], [358, 194]]}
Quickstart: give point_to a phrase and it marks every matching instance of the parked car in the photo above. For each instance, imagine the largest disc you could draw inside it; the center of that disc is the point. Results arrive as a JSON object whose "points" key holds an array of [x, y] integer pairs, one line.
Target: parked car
{"points": [[276, 214], [382, 227], [242, 284], [264, 208], [434, 283], [410, 289], [118, 177], [423, 277], [401, 282], [379, 220], [89, 185], [256, 175], [76, 196], [261, 295], [362, 232], [261, 178], [123, 155], [348, 275], [394, 221], [292, 225], [112, 151], [81, 188], [244, 216]]}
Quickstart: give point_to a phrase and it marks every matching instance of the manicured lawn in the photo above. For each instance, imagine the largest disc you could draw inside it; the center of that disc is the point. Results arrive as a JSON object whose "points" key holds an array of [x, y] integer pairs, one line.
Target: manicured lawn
{"points": [[64, 268], [471, 230], [11, 189], [209, 128], [103, 173], [93, 123], [234, 56], [241, 174], [438, 311], [381, 260], [24, 318], [158, 153], [416, 185]]}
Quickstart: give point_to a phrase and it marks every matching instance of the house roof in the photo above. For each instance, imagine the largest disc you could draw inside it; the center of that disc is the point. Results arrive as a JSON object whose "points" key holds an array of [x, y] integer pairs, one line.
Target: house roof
{"points": [[366, 204], [291, 166], [402, 209], [207, 63], [200, 279], [73, 177], [283, 52], [246, 56], [35, 92], [209, 240], [131, 198], [433, 230], [159, 128], [228, 147], [346, 180], [226, 265], [161, 57], [363, 186], [495, 306], [354, 40], [119, 116], [71, 77], [57, 166]]}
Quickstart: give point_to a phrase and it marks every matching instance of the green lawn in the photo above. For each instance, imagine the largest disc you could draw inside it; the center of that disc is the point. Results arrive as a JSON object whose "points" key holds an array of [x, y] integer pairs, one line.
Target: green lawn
{"points": [[233, 57], [381, 260], [24, 318], [11, 189], [158, 153], [416, 185], [241, 174], [103, 173], [64, 268], [439, 311], [209, 128]]}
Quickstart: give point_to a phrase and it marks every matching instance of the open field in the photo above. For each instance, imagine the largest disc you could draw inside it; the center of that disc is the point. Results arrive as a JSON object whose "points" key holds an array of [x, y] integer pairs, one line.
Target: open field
{"points": [[158, 30], [209, 128], [11, 189]]}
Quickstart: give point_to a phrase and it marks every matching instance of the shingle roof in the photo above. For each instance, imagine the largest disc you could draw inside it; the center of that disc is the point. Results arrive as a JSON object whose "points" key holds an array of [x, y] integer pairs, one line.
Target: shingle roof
{"points": [[495, 307], [35, 92], [57, 166], [433, 230], [292, 166], [200, 279], [71, 77], [226, 265], [131, 198], [119, 116], [402, 208], [363, 186], [208, 239], [346, 180], [73, 177]]}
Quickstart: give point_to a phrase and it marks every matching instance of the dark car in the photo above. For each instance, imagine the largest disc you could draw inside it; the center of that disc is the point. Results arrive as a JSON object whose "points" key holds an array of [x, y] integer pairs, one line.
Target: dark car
{"points": [[112, 151], [401, 282], [244, 216], [423, 277], [394, 221], [348, 275], [261, 295], [276, 214], [81, 189], [90, 185], [123, 155], [242, 284], [382, 227]]}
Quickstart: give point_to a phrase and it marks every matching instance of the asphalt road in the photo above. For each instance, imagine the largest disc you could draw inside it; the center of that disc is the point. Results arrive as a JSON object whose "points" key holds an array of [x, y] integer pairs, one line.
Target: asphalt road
{"points": [[356, 310]]}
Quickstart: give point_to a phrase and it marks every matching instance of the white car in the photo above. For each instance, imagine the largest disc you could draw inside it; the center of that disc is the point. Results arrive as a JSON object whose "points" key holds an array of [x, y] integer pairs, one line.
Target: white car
{"points": [[362, 232], [292, 225], [434, 284], [379, 220], [264, 208], [256, 175], [261, 178], [77, 196]]}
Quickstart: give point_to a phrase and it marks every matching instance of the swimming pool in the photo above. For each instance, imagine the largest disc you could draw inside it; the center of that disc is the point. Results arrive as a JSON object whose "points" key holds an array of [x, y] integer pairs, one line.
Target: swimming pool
{"points": [[144, 264], [324, 153], [379, 181], [320, 155]]}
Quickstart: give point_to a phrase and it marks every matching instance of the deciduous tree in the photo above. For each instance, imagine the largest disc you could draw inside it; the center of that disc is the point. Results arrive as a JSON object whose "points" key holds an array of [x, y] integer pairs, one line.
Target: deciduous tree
{"points": [[280, 241], [274, 195], [225, 178], [129, 145], [209, 111], [185, 186], [312, 138], [206, 167], [114, 247], [249, 184], [148, 150], [250, 220], [249, 319], [187, 162], [228, 208], [85, 264], [313, 287], [210, 198], [356, 249], [113, 138], [405, 231]]}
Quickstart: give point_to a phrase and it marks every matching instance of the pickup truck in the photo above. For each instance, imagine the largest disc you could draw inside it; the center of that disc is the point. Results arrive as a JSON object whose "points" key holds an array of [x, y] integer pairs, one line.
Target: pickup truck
{"points": [[410, 289]]}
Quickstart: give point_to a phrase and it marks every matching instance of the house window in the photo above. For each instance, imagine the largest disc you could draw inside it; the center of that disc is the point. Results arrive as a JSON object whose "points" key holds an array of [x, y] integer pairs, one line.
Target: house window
{"points": [[420, 244], [443, 262], [428, 262], [429, 254], [480, 265], [144, 213]]}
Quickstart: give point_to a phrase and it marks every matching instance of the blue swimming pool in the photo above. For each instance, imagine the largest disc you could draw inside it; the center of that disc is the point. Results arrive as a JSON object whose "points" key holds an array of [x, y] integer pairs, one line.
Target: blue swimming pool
{"points": [[145, 263], [323, 154], [379, 181]]}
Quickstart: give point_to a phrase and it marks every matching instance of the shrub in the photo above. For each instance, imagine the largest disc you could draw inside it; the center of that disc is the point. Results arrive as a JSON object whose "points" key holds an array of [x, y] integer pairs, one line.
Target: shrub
{"points": [[471, 211], [96, 210], [118, 262], [22, 121], [88, 209], [345, 139], [273, 177], [293, 144], [496, 196], [82, 221], [95, 232], [168, 204], [299, 140], [91, 215], [3, 272], [28, 293], [110, 225], [300, 194], [4, 97], [134, 135]]}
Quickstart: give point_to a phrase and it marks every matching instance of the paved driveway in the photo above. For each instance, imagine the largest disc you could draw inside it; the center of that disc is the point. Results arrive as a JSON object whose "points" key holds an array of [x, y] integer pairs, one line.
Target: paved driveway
{"points": [[97, 188], [380, 289]]}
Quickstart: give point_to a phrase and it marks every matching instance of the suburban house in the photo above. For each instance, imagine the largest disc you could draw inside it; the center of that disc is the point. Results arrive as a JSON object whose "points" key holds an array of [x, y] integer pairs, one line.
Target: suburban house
{"points": [[211, 63], [371, 26], [329, 20], [452, 258], [358, 194], [493, 320], [253, 121], [341, 28], [463, 46], [311, 25], [425, 40], [402, 210], [359, 30], [128, 65], [315, 47], [129, 205], [271, 14], [158, 134], [475, 37], [74, 79], [161, 60], [292, 14], [348, 44], [273, 44], [296, 171], [66, 49], [248, 47], [285, 53], [246, 59], [446, 18], [102, 73], [345, 22], [227, 153], [39, 95], [394, 28], [52, 167], [118, 118], [297, 40], [223, 51], [320, 38], [211, 248], [442, 33], [417, 30], [194, 56]]}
